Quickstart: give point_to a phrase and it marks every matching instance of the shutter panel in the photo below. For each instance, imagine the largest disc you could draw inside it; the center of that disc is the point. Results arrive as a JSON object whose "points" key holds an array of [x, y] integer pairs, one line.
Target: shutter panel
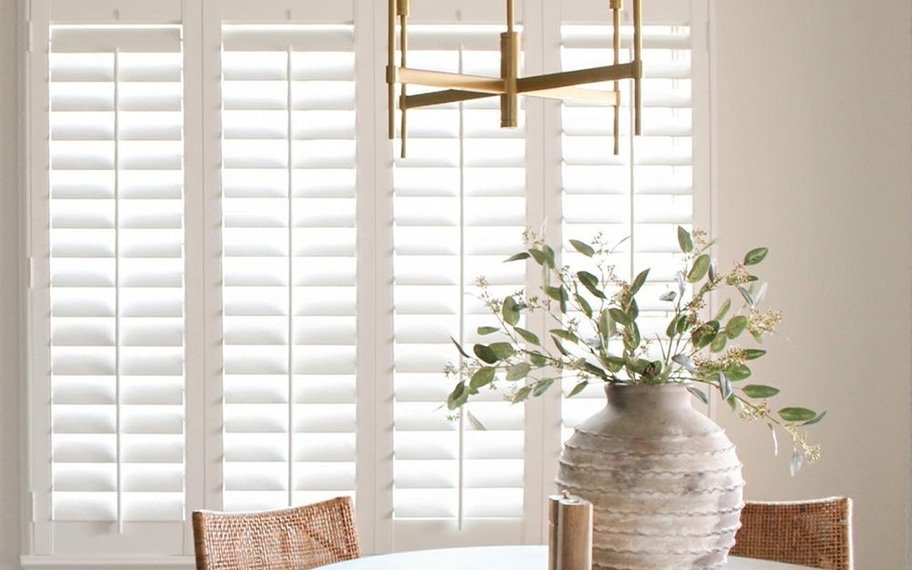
{"points": [[643, 193], [459, 212], [289, 264], [116, 264]]}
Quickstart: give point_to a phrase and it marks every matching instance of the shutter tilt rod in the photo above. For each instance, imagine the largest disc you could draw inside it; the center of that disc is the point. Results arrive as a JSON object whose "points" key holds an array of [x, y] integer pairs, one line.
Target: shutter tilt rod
{"points": [[457, 87]]}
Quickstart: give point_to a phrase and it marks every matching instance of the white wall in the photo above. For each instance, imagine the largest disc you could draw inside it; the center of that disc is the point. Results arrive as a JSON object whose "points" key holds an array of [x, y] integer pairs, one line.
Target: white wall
{"points": [[10, 452], [814, 160]]}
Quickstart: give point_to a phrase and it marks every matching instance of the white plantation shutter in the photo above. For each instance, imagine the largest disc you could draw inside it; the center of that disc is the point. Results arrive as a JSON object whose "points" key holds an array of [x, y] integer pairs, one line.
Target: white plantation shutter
{"points": [[116, 276], [229, 263], [459, 209], [638, 197], [289, 264]]}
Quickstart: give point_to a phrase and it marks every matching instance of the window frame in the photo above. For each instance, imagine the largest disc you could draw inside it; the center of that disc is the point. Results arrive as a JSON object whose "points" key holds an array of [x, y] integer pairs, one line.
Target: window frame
{"points": [[201, 21]]}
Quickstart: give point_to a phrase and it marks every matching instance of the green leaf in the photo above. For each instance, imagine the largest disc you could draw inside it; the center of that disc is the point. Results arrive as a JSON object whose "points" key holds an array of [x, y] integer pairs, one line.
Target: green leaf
{"points": [[476, 423], [510, 311], [700, 394], [528, 336], [775, 439], [736, 326], [632, 339], [590, 282], [668, 296], [718, 343], [582, 247], [459, 347], [748, 298], [517, 257], [683, 324], [502, 350], [606, 324], [458, 396], [725, 386], [518, 371], [482, 377], [760, 391], [819, 417], [753, 353], [723, 310], [522, 394], [538, 359], [699, 269], [797, 414], [633, 309], [487, 330], [542, 386], [619, 316], [638, 282], [560, 347], [684, 361], [485, 353], [796, 462], [580, 386], [616, 361], [541, 257], [684, 240], [672, 328], [755, 256], [704, 334], [558, 294], [737, 372], [565, 334], [584, 305]]}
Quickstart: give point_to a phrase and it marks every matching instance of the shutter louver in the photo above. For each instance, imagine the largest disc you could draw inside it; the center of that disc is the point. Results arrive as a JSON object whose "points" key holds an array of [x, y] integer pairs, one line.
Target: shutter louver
{"points": [[639, 197], [459, 208], [116, 264], [289, 264]]}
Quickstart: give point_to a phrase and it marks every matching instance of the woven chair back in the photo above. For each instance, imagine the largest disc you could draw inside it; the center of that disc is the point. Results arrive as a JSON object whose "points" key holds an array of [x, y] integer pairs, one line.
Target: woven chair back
{"points": [[296, 538], [815, 533]]}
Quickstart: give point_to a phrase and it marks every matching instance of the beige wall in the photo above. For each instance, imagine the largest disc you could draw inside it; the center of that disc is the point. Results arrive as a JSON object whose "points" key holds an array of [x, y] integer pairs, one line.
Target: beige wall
{"points": [[9, 303], [814, 159]]}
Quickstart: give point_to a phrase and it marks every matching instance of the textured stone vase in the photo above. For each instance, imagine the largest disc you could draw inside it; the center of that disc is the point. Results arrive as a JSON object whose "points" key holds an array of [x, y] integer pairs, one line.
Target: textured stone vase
{"points": [[663, 478]]}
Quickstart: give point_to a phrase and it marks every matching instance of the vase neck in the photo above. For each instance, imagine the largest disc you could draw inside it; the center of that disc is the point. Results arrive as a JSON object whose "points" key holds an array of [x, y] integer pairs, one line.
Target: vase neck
{"points": [[635, 396]]}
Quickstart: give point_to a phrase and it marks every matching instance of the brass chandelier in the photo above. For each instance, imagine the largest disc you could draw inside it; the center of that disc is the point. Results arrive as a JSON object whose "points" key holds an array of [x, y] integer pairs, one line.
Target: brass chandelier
{"points": [[457, 87]]}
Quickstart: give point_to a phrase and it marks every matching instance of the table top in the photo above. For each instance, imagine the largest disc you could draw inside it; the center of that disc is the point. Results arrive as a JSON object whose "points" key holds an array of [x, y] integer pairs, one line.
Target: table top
{"points": [[534, 557]]}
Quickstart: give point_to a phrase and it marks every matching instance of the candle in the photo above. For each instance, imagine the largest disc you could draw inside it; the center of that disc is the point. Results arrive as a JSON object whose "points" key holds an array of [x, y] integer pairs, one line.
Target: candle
{"points": [[574, 529]]}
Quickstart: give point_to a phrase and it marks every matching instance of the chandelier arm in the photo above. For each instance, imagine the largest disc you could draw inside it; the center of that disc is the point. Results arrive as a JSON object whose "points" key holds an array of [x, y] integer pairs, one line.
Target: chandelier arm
{"points": [[575, 77], [463, 81], [579, 94], [441, 97]]}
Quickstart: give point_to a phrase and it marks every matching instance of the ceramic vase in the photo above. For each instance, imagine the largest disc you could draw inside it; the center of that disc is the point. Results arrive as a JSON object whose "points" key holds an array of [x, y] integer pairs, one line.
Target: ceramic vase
{"points": [[663, 478]]}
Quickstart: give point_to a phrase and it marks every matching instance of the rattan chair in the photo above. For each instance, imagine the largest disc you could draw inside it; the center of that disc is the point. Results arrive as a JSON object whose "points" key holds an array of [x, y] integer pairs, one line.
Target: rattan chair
{"points": [[296, 538], [816, 533]]}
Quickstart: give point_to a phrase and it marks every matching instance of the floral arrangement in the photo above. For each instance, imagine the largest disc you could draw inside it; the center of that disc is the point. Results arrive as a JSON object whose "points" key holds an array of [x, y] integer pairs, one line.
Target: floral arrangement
{"points": [[596, 336]]}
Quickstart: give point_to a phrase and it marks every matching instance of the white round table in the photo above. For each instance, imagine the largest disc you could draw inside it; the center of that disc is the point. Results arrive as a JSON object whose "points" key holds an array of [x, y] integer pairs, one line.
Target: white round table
{"points": [[533, 557]]}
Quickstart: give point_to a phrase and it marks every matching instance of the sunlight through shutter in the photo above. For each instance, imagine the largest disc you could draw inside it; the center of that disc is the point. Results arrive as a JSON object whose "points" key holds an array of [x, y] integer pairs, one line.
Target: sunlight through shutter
{"points": [[459, 212], [289, 264], [116, 235]]}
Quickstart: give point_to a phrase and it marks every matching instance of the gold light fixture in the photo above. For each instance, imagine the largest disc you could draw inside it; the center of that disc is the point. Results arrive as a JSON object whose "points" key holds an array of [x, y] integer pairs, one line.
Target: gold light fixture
{"points": [[462, 87]]}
